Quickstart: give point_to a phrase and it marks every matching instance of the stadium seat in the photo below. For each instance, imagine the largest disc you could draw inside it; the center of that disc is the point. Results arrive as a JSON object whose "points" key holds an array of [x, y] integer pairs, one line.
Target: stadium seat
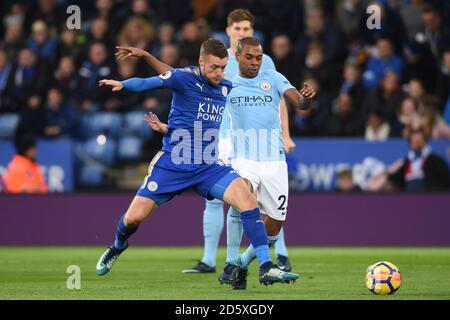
{"points": [[8, 124], [134, 124], [222, 36], [91, 176], [104, 153], [260, 36], [107, 123], [129, 148]]}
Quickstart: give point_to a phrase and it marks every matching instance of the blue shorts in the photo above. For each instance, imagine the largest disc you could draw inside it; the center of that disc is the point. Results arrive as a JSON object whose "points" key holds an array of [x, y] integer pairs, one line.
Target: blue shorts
{"points": [[165, 179]]}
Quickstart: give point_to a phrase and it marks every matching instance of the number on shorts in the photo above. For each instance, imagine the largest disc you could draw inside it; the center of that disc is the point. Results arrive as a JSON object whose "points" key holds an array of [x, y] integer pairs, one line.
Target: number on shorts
{"points": [[282, 198]]}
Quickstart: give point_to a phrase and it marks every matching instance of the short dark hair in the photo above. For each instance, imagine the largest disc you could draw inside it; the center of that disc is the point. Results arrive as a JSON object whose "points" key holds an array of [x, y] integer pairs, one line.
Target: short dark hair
{"points": [[214, 47], [239, 15], [23, 142], [247, 41]]}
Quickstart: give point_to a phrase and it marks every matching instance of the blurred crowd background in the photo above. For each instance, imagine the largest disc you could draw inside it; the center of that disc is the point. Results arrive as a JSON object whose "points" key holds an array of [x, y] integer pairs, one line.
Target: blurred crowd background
{"points": [[371, 84]]}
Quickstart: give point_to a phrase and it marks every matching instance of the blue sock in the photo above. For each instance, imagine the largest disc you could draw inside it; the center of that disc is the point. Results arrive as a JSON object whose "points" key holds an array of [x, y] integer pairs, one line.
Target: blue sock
{"points": [[123, 233], [234, 234], [255, 230], [280, 245], [212, 228]]}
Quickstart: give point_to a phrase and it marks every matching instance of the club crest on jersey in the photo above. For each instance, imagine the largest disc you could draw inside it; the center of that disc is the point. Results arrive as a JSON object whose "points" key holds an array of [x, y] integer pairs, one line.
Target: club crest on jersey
{"points": [[224, 91], [166, 75], [265, 85], [152, 186]]}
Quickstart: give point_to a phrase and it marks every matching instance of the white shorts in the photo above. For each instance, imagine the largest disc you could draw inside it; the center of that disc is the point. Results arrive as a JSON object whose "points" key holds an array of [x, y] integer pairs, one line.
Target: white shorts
{"points": [[270, 183], [225, 148]]}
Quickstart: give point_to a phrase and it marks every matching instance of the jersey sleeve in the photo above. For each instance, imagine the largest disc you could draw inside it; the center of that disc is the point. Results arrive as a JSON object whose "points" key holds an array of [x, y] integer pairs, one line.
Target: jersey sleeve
{"points": [[174, 79], [281, 83], [267, 63]]}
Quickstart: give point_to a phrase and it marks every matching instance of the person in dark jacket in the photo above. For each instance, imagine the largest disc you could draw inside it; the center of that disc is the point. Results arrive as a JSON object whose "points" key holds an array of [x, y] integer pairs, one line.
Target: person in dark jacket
{"points": [[422, 170]]}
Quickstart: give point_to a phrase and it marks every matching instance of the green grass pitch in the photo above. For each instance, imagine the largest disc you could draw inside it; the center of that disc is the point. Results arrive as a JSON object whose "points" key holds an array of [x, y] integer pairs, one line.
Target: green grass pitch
{"points": [[155, 273]]}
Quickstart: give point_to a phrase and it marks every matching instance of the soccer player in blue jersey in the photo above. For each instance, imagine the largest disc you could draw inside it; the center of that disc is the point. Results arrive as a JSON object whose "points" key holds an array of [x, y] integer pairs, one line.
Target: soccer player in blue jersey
{"points": [[256, 139], [188, 158], [240, 25]]}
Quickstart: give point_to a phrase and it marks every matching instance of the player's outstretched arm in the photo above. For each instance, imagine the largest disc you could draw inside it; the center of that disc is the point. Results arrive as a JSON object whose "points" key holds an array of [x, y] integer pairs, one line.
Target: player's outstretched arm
{"points": [[126, 52], [115, 85], [301, 99], [154, 122]]}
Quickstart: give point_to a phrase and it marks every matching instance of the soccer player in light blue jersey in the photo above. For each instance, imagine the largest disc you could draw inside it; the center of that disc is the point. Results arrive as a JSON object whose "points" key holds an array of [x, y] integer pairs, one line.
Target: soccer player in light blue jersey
{"points": [[188, 158], [258, 153]]}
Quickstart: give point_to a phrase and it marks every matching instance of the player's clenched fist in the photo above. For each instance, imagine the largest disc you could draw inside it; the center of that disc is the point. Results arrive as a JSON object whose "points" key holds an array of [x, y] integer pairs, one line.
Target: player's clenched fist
{"points": [[116, 85], [307, 91]]}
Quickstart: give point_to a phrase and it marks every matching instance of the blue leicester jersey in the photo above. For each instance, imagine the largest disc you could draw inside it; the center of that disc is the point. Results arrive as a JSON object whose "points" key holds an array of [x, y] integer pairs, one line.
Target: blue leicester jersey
{"points": [[254, 110], [196, 113], [231, 70]]}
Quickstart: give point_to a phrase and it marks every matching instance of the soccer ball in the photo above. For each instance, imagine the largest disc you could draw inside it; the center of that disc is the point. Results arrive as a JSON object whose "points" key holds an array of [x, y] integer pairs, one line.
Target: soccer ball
{"points": [[383, 278]]}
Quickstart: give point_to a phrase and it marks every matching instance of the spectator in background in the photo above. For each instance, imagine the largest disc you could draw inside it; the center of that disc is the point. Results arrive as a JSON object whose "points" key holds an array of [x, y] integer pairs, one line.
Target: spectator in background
{"points": [[71, 44], [344, 181], [315, 64], [66, 79], [105, 9], [312, 122], [138, 33], [51, 13], [96, 67], [385, 98], [416, 90], [99, 32], [6, 82], [42, 44], [407, 117], [443, 83], [166, 35], [60, 117], [421, 170], [319, 31], [15, 16], [377, 128], [14, 39], [285, 59], [424, 51], [23, 174], [124, 101], [349, 14], [142, 9], [190, 43], [437, 32], [352, 82], [345, 121], [432, 123], [411, 15], [31, 78], [385, 61]]}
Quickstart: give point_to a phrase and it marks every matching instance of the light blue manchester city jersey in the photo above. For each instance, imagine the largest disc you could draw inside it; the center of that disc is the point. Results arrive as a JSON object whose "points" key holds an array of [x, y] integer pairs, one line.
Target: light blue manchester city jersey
{"points": [[231, 70], [253, 107]]}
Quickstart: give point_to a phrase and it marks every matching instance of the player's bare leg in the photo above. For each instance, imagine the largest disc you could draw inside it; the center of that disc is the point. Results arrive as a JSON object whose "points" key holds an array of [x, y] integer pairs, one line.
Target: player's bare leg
{"points": [[139, 209]]}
